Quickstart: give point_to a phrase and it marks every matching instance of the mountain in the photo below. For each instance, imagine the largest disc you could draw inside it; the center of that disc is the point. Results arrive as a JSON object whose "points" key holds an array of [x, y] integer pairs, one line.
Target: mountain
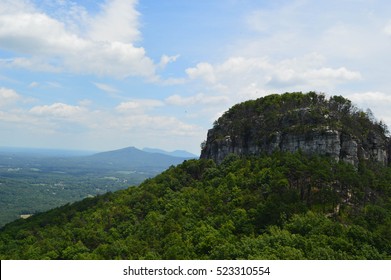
{"points": [[135, 158], [296, 121], [176, 153], [268, 204], [129, 158], [71, 162]]}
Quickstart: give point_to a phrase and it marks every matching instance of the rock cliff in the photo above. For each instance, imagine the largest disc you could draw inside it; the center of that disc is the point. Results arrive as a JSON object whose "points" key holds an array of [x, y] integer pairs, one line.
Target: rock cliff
{"points": [[290, 122]]}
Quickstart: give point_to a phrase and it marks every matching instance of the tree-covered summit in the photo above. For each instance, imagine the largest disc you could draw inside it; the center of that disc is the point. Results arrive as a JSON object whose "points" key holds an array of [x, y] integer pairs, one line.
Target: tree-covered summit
{"points": [[309, 121]]}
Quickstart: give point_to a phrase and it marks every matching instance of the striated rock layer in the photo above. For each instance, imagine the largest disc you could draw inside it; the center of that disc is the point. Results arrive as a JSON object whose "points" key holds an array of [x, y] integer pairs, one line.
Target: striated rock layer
{"points": [[296, 121]]}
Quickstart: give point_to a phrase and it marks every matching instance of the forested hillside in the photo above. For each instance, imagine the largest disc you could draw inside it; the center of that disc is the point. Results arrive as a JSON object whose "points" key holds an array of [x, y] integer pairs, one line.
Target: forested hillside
{"points": [[268, 204], [282, 206]]}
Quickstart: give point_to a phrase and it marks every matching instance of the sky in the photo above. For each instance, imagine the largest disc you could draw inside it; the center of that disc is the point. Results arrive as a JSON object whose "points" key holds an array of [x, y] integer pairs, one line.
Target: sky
{"points": [[107, 74]]}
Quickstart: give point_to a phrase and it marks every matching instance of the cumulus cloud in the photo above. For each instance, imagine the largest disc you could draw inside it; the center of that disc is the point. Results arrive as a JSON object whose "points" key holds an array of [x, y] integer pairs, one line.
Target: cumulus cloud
{"points": [[340, 73], [32, 63], [12, 6], [53, 119], [105, 48], [106, 88], [46, 119], [58, 110], [165, 59], [117, 21], [8, 96], [33, 85], [371, 96], [318, 77], [37, 33], [346, 32], [138, 105], [159, 126], [199, 98], [387, 28], [378, 102], [237, 73], [204, 71]]}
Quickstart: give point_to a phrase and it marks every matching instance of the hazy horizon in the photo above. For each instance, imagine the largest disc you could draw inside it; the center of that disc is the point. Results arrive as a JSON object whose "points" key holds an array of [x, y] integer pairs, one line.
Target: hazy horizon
{"points": [[84, 151]]}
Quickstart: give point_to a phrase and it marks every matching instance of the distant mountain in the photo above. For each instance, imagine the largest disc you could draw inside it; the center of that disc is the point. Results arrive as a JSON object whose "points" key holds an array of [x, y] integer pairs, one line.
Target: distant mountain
{"points": [[129, 158], [133, 157], [176, 153]]}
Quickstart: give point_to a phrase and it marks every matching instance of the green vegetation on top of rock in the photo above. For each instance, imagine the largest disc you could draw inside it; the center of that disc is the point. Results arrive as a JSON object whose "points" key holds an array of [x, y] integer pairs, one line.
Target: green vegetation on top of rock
{"points": [[292, 121]]}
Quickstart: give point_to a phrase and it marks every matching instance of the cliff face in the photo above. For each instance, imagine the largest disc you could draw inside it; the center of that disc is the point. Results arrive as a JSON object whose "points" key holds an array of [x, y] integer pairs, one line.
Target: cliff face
{"points": [[295, 121]]}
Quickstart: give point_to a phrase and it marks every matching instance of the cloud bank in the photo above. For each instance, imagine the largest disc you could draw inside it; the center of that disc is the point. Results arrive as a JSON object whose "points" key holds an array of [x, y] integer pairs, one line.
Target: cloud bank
{"points": [[101, 44]]}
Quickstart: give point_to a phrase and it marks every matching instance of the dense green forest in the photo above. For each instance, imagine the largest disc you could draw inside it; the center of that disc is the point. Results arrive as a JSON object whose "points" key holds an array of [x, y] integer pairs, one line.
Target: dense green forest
{"points": [[34, 181], [26, 192], [278, 206]]}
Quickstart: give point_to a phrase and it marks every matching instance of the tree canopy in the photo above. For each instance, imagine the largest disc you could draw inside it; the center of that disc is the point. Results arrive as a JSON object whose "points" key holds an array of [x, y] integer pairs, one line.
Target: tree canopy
{"points": [[278, 206]]}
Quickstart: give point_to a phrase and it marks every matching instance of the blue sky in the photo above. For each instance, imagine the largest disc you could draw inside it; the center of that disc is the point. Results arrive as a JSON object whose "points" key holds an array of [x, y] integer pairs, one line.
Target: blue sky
{"points": [[102, 75]]}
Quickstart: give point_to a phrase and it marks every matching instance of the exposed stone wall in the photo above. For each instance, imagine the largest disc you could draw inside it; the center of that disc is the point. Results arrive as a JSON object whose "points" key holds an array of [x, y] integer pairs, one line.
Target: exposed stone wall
{"points": [[332, 143]]}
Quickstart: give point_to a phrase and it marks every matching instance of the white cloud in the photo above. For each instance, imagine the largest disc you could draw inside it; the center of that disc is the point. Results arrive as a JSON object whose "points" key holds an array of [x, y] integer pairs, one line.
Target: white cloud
{"points": [[138, 105], [378, 102], [238, 73], [33, 63], [344, 32], [52, 125], [12, 6], [372, 96], [155, 125], [8, 96], [33, 85], [37, 33], [15, 118], [165, 59], [54, 119], [276, 20], [117, 22], [387, 28], [326, 73], [58, 110], [113, 59], [200, 98], [324, 77], [171, 81], [52, 44], [85, 102], [106, 88], [203, 70]]}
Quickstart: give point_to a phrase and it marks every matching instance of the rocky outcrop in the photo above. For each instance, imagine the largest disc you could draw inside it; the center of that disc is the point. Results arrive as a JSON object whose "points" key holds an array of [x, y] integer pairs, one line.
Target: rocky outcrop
{"points": [[244, 131]]}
